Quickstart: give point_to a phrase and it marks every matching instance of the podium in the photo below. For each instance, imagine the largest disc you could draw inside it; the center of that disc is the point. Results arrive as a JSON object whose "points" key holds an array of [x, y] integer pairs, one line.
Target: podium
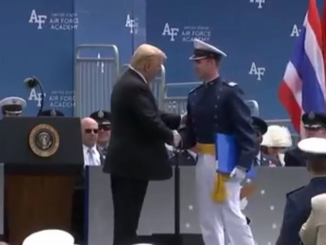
{"points": [[42, 158]]}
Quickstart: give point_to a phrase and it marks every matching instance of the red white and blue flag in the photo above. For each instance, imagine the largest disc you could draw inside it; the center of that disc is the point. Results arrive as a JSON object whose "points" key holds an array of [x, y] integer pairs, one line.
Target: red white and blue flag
{"points": [[303, 87]]}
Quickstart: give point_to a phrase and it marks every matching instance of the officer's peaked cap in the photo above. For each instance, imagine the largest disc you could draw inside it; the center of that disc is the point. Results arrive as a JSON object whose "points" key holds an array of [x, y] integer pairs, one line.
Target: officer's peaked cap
{"points": [[49, 237], [204, 50], [13, 104], [314, 120], [259, 125], [102, 117], [313, 147]]}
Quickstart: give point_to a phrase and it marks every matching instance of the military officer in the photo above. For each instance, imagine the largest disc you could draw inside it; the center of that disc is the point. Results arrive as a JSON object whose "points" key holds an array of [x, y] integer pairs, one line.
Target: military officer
{"points": [[51, 113], [214, 107], [12, 106], [103, 119], [314, 124], [298, 202]]}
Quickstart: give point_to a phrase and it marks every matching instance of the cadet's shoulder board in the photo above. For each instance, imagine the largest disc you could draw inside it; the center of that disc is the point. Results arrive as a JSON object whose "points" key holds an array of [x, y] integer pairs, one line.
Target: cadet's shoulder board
{"points": [[294, 191], [194, 89], [230, 84]]}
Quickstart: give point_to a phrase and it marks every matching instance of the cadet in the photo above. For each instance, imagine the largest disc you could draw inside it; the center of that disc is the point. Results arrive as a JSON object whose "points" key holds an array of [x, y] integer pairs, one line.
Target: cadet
{"points": [[314, 124], [214, 107], [298, 202], [51, 113], [12, 106], [103, 119]]}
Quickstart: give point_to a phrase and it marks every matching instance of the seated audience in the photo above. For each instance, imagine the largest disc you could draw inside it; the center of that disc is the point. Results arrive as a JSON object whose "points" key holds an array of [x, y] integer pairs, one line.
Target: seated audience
{"points": [[262, 159], [298, 202], [276, 139], [314, 126], [313, 232]]}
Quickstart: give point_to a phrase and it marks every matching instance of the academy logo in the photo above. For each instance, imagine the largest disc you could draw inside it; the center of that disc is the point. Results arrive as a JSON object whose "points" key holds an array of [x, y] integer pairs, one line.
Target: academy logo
{"points": [[295, 31], [55, 21], [171, 32], [132, 24], [257, 71], [37, 19], [258, 2], [34, 96]]}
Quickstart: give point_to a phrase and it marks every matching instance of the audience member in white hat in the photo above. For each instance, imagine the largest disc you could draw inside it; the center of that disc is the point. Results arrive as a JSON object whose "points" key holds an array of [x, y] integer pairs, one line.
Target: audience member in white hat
{"points": [[276, 139]]}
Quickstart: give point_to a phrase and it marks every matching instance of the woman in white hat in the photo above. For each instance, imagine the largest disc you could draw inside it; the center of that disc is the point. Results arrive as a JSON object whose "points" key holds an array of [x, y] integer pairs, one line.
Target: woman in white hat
{"points": [[276, 139]]}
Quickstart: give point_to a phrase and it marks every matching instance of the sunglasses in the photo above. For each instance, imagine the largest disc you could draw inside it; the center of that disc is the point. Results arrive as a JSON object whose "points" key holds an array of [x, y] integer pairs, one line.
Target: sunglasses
{"points": [[105, 128], [90, 130]]}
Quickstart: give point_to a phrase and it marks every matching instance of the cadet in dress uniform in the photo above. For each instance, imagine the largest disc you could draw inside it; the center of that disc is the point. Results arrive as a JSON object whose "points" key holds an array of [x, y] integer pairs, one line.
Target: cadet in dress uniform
{"points": [[214, 107], [103, 119], [51, 113], [12, 106], [298, 202], [314, 124]]}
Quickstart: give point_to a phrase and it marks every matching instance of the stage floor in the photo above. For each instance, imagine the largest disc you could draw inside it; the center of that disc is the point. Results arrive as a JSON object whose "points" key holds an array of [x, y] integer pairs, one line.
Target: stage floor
{"points": [[264, 207]]}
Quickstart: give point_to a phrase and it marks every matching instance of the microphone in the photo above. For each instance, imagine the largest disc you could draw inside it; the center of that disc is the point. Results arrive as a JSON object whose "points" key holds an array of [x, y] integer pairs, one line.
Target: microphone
{"points": [[33, 82]]}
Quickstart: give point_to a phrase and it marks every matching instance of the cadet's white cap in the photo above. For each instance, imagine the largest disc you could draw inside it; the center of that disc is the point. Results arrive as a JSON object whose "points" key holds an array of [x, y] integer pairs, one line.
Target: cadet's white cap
{"points": [[315, 146], [204, 50], [13, 105], [49, 237]]}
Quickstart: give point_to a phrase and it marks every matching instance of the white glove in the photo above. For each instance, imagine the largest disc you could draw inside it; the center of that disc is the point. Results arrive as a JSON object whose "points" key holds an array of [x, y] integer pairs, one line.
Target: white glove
{"points": [[243, 203], [238, 174], [176, 139]]}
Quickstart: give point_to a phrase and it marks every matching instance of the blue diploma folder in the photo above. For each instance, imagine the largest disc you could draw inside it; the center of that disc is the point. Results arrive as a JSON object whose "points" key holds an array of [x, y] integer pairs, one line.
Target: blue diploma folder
{"points": [[228, 154]]}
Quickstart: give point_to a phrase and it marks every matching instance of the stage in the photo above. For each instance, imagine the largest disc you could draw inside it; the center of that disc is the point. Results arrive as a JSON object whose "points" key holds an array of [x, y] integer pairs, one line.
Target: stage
{"points": [[264, 207]]}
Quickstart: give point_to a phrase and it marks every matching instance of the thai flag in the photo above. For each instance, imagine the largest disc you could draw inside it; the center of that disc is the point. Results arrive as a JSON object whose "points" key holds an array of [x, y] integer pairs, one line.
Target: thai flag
{"points": [[303, 86]]}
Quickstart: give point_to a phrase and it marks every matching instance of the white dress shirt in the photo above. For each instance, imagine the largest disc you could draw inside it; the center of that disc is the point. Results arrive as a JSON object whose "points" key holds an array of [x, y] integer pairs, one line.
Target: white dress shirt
{"points": [[95, 155]]}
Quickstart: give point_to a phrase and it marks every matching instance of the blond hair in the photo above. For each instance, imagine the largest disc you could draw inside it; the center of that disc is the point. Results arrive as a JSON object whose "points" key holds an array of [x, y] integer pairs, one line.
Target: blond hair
{"points": [[145, 53]]}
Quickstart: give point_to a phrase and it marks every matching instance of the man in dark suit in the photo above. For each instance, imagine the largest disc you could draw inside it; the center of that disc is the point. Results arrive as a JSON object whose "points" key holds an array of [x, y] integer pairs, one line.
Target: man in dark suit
{"points": [[298, 202], [137, 152], [314, 124]]}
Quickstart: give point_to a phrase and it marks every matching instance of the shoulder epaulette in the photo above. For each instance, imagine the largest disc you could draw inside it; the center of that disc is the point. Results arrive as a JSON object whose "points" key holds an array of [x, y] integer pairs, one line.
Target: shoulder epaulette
{"points": [[230, 84], [294, 191], [194, 89]]}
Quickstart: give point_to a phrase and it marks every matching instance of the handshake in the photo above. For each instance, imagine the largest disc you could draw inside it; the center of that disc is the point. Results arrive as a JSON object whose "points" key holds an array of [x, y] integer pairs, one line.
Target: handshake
{"points": [[176, 139], [176, 136]]}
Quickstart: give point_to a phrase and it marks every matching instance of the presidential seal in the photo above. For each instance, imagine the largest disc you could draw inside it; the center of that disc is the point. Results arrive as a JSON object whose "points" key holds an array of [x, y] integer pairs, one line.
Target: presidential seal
{"points": [[44, 140]]}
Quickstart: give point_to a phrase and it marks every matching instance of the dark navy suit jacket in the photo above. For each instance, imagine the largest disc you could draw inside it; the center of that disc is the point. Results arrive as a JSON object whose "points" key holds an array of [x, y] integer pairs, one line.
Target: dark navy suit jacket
{"points": [[294, 158], [297, 210]]}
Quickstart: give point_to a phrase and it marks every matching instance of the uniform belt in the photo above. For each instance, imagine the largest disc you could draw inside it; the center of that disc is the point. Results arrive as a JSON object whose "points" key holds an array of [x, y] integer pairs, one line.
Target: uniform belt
{"points": [[208, 149]]}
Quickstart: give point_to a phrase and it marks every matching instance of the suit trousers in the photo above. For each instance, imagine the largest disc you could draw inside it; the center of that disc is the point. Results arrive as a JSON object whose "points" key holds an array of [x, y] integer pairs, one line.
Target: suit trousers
{"points": [[219, 220], [128, 196]]}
